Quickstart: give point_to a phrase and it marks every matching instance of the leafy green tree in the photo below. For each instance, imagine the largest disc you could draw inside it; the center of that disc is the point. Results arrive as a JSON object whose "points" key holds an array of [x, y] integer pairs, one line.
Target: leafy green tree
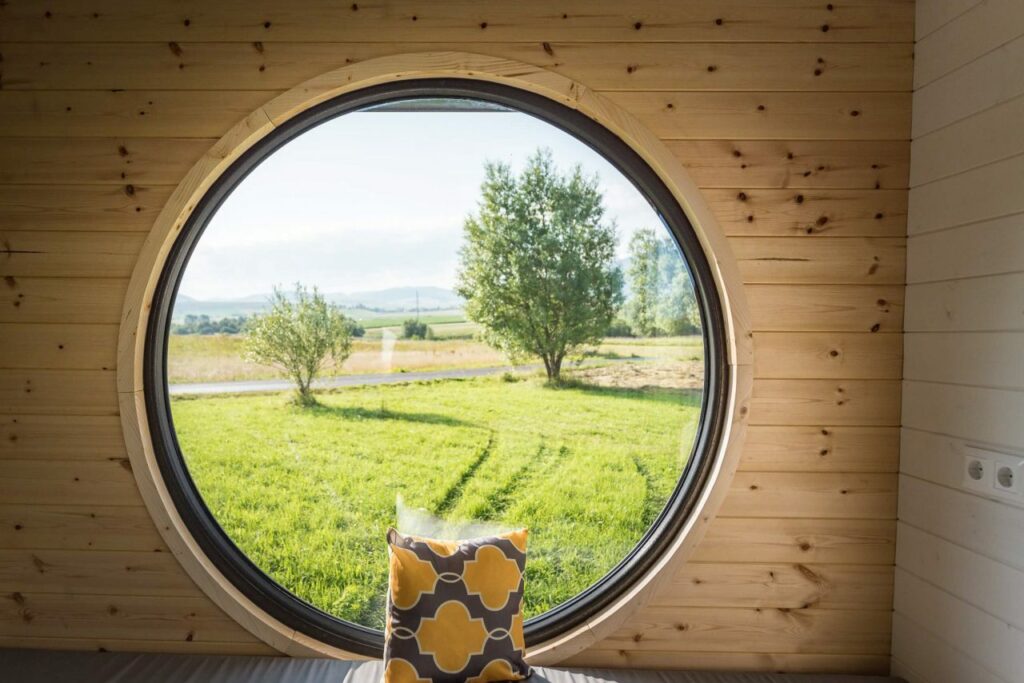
{"points": [[538, 266], [643, 274], [298, 334], [676, 311]]}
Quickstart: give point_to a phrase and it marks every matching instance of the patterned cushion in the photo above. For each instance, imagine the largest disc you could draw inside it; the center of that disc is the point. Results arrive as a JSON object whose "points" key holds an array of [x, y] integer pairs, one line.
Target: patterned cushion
{"points": [[455, 609]]}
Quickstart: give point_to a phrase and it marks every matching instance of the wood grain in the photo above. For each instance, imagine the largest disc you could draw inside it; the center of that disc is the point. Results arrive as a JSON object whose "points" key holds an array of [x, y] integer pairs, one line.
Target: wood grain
{"points": [[450, 21], [793, 118]]}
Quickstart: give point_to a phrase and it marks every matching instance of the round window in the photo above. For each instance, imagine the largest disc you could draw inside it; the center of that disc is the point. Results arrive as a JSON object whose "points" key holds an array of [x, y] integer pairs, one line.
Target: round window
{"points": [[447, 306]]}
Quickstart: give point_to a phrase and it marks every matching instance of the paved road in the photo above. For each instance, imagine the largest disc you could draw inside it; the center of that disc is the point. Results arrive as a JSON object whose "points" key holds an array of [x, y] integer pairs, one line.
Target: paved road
{"points": [[244, 387]]}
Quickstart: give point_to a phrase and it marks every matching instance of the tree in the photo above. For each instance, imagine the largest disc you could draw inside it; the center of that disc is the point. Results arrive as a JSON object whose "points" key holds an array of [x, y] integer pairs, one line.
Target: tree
{"points": [[297, 335], [537, 268], [414, 329], [643, 282], [676, 312]]}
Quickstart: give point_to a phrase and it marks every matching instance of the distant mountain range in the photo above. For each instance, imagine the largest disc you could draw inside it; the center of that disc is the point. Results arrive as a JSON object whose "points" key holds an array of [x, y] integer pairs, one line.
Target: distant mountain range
{"points": [[392, 300]]}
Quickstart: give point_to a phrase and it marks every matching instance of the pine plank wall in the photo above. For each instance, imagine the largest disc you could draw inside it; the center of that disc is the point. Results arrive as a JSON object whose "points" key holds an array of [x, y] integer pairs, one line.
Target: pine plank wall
{"points": [[794, 119]]}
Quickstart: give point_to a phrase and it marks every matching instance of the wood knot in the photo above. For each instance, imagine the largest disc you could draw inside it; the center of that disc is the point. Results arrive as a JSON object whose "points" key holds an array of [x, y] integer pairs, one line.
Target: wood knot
{"points": [[638, 25], [742, 196], [876, 327], [547, 49]]}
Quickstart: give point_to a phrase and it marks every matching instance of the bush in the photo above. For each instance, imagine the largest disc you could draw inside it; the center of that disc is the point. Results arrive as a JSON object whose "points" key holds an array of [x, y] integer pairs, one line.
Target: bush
{"points": [[619, 328], [414, 329], [202, 324]]}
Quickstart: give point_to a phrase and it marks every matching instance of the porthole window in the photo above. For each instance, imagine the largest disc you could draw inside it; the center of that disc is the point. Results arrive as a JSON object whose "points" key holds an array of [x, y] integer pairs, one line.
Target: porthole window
{"points": [[444, 305]]}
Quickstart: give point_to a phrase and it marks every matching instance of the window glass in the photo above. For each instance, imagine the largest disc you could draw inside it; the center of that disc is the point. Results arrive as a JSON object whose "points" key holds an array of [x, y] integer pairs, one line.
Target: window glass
{"points": [[496, 330]]}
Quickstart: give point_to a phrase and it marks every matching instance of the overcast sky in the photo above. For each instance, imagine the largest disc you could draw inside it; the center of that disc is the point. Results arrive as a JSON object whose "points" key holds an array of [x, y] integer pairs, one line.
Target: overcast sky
{"points": [[376, 200]]}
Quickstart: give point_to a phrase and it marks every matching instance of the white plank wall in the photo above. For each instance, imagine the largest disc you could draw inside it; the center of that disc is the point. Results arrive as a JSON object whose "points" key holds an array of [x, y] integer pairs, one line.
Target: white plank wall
{"points": [[959, 611]]}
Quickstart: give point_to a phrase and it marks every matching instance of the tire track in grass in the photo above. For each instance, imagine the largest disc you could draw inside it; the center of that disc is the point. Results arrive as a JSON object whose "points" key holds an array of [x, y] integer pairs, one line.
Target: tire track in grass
{"points": [[651, 507], [499, 499], [454, 492]]}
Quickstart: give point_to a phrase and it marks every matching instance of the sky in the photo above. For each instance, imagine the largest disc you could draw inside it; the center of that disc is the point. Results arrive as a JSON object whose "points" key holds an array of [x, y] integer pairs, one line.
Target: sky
{"points": [[371, 201]]}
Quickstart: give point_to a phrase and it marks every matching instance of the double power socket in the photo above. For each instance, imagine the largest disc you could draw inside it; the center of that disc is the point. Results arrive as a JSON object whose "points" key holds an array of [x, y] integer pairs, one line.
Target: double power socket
{"points": [[993, 473]]}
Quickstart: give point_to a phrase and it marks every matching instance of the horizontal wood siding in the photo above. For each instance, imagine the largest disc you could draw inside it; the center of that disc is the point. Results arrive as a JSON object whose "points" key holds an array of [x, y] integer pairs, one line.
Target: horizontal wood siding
{"points": [[794, 120], [960, 555]]}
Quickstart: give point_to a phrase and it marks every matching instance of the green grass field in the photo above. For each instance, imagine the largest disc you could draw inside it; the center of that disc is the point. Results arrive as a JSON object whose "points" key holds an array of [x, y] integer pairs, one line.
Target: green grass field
{"points": [[307, 494]]}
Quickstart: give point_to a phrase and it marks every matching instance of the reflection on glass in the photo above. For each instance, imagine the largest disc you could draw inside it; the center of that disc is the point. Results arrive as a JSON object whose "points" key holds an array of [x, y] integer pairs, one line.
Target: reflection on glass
{"points": [[516, 342]]}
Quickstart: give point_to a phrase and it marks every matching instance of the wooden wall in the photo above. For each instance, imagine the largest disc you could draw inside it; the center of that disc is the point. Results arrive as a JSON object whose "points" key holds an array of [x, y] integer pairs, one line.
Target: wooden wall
{"points": [[960, 556], [793, 118]]}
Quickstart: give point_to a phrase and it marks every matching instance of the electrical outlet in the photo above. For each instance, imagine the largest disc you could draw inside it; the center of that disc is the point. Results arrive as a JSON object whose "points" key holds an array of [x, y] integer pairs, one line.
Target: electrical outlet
{"points": [[977, 473], [994, 473], [1006, 479]]}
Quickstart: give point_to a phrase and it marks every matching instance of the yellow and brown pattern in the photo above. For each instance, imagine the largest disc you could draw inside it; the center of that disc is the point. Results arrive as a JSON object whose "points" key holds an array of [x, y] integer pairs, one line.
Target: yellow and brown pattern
{"points": [[455, 610]]}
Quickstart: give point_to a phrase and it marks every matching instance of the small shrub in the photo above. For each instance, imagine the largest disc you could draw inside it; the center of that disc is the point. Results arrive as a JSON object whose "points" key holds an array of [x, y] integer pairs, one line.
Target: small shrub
{"points": [[414, 329], [619, 328]]}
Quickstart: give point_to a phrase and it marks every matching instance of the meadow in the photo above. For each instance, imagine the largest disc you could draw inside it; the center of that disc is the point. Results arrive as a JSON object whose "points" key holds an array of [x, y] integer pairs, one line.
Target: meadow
{"points": [[220, 358], [308, 493]]}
